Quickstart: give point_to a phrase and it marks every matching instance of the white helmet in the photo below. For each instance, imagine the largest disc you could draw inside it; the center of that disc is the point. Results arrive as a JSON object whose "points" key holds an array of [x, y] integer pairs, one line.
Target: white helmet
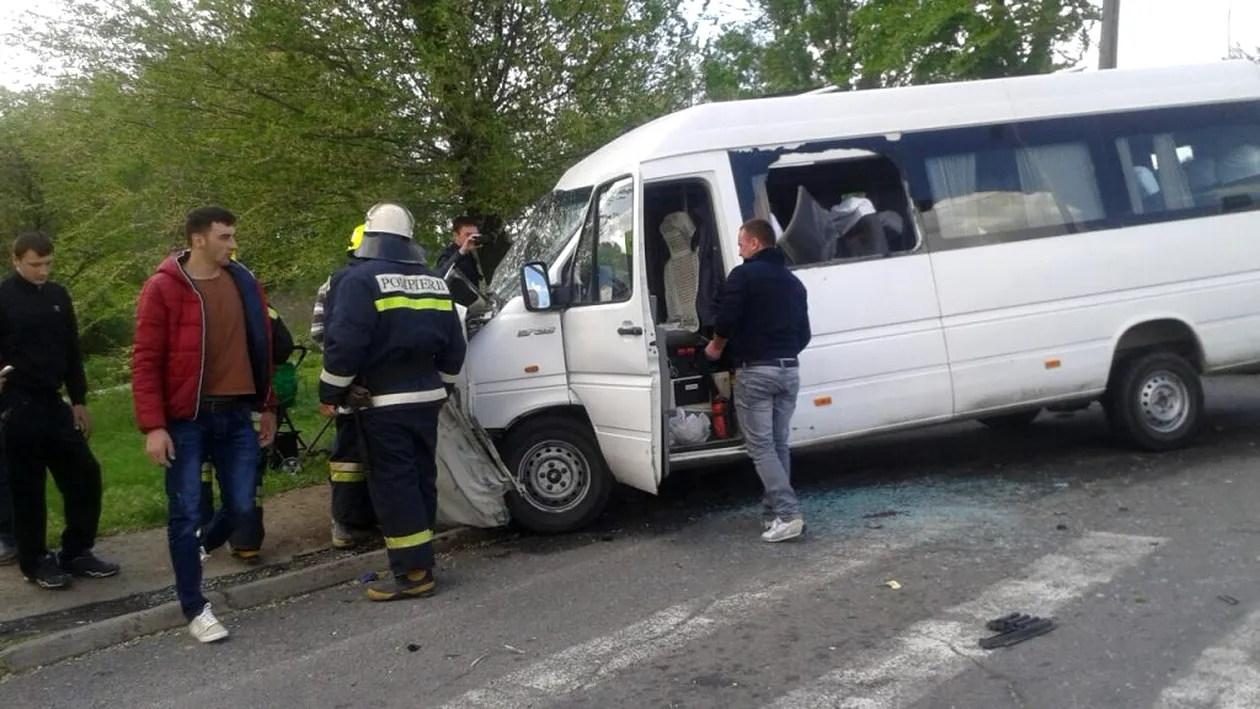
{"points": [[389, 218]]}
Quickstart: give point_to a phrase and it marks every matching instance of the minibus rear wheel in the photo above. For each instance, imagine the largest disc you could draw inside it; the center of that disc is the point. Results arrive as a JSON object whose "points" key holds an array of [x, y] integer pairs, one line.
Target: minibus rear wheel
{"points": [[565, 483], [1154, 401]]}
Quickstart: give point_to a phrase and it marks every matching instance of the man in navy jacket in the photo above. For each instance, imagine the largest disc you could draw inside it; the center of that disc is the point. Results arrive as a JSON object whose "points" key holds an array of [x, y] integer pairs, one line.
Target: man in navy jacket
{"points": [[764, 315]]}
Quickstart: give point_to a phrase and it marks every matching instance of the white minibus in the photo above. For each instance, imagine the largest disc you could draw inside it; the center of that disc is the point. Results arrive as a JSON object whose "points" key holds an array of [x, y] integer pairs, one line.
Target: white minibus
{"points": [[979, 250]]}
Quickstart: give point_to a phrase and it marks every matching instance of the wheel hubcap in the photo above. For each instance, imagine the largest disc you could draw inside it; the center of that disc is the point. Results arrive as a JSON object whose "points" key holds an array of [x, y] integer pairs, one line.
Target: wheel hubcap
{"points": [[554, 476], [1165, 402]]}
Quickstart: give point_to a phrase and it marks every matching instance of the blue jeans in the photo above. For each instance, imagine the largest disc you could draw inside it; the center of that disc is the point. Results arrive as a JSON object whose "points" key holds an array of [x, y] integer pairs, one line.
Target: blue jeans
{"points": [[765, 399], [229, 439]]}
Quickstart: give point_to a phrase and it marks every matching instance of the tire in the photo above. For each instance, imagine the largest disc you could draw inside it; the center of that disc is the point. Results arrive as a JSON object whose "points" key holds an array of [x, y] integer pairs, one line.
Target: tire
{"points": [[565, 483], [1155, 401], [1011, 422]]}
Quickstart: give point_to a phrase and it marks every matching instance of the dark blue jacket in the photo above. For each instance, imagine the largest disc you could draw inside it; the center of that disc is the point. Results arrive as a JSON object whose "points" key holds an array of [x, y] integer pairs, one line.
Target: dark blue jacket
{"points": [[392, 328], [763, 311], [466, 263]]}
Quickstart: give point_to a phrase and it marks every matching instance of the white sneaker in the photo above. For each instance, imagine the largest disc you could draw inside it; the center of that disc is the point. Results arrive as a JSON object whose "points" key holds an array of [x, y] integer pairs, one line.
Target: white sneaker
{"points": [[781, 531], [206, 628]]}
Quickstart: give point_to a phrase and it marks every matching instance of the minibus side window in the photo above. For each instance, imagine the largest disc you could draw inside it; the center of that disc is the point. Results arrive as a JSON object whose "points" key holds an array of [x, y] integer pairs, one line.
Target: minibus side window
{"points": [[836, 210], [604, 262], [992, 184], [1188, 162]]}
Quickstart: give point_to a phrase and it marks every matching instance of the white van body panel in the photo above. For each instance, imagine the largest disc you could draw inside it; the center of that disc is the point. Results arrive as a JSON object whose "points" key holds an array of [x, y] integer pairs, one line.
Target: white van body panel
{"points": [[1006, 323], [523, 371], [879, 360]]}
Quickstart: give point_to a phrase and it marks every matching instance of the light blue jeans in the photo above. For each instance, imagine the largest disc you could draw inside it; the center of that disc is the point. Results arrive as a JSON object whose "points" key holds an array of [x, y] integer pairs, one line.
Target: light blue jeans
{"points": [[765, 399]]}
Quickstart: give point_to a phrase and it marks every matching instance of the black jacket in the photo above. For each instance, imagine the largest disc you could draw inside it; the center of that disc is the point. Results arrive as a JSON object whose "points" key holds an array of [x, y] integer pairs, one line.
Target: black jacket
{"points": [[763, 310], [712, 278], [466, 263], [281, 339], [39, 336]]}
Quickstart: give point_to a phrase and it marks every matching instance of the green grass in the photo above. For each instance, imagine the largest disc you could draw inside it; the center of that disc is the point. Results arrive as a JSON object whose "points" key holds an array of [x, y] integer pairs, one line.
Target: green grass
{"points": [[134, 488]]}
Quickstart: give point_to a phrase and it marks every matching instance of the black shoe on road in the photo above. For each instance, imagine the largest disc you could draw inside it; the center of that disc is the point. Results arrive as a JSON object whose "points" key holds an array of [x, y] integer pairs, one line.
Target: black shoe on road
{"points": [[49, 575], [89, 565]]}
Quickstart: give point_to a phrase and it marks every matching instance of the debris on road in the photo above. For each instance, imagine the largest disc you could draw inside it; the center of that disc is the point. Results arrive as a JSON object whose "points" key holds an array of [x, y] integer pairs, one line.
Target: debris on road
{"points": [[1228, 599], [1014, 629], [892, 584], [511, 649], [885, 513], [412, 647]]}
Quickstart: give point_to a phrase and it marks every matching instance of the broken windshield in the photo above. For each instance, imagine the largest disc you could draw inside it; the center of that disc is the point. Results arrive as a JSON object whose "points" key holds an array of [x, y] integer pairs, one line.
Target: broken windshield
{"points": [[539, 234]]}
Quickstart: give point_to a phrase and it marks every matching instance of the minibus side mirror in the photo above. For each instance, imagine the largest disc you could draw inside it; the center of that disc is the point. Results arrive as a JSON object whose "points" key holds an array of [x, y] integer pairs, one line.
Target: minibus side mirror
{"points": [[536, 286]]}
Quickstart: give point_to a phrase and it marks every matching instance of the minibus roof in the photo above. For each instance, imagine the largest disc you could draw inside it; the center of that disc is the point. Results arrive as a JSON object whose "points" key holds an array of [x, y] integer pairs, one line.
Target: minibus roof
{"points": [[816, 116]]}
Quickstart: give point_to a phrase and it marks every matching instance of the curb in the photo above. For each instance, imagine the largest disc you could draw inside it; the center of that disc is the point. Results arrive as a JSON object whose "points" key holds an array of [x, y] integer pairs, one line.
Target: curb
{"points": [[66, 644]]}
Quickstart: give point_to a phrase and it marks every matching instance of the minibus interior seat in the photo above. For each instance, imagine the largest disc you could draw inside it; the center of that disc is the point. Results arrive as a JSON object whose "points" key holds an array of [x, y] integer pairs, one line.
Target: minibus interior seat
{"points": [[811, 235], [1201, 180], [861, 232], [890, 205], [682, 271], [1148, 189]]}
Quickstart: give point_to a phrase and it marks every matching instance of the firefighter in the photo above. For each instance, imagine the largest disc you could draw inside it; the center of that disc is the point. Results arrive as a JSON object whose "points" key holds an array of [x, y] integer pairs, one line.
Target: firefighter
{"points": [[354, 521], [393, 346]]}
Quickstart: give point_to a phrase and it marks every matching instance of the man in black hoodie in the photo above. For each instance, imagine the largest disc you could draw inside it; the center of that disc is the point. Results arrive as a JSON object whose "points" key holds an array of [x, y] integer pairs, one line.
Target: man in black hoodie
{"points": [[764, 315]]}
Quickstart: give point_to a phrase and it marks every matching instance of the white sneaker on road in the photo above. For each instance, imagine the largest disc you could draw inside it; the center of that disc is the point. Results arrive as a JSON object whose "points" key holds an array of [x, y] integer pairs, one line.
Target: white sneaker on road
{"points": [[781, 531], [206, 628]]}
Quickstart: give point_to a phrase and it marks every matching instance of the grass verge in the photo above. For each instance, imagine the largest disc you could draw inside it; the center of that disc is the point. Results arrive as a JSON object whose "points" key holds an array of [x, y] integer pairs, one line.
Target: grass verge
{"points": [[134, 488]]}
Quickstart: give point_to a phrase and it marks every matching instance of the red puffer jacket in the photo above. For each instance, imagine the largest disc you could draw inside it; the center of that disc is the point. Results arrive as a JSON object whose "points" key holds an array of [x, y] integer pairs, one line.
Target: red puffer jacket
{"points": [[167, 362]]}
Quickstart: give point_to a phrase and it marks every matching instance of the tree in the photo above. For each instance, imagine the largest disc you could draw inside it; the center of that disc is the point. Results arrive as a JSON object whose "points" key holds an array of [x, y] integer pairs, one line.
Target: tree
{"points": [[299, 114], [798, 44]]}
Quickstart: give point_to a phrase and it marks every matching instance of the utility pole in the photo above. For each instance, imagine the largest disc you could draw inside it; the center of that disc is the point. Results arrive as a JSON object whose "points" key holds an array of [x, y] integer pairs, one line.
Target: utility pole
{"points": [[1110, 40]]}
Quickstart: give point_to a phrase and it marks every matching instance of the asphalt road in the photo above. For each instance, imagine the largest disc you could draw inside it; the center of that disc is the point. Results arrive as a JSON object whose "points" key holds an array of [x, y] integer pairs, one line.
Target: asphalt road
{"points": [[1147, 563]]}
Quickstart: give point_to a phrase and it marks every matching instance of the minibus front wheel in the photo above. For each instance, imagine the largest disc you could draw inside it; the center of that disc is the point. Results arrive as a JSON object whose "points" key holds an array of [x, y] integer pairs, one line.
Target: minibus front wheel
{"points": [[1154, 401], [563, 479]]}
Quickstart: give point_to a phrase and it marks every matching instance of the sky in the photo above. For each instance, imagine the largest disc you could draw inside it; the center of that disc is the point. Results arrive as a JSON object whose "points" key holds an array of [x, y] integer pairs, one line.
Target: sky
{"points": [[1152, 32]]}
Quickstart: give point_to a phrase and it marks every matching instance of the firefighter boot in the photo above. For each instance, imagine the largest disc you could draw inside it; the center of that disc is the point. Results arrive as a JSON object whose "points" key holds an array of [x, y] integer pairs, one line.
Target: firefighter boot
{"points": [[344, 537], [417, 584]]}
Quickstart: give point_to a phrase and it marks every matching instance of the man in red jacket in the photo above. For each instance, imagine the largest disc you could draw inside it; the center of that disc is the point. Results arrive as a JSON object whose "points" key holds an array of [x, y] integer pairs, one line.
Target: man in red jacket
{"points": [[200, 366]]}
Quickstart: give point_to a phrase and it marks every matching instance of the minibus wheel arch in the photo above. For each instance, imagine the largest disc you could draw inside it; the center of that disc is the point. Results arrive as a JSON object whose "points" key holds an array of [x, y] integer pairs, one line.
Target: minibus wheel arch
{"points": [[1160, 335]]}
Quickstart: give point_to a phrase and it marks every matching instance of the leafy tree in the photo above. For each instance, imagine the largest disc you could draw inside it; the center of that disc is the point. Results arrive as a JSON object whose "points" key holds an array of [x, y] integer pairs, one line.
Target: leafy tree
{"points": [[799, 44], [299, 114]]}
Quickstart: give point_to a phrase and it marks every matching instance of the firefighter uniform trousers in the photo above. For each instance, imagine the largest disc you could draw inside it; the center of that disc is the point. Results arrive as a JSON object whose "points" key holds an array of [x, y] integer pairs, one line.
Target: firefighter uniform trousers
{"points": [[402, 478], [351, 502], [249, 535]]}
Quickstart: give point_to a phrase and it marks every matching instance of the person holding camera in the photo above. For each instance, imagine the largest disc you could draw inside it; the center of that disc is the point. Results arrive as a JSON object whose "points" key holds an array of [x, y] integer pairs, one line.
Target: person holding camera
{"points": [[462, 251]]}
